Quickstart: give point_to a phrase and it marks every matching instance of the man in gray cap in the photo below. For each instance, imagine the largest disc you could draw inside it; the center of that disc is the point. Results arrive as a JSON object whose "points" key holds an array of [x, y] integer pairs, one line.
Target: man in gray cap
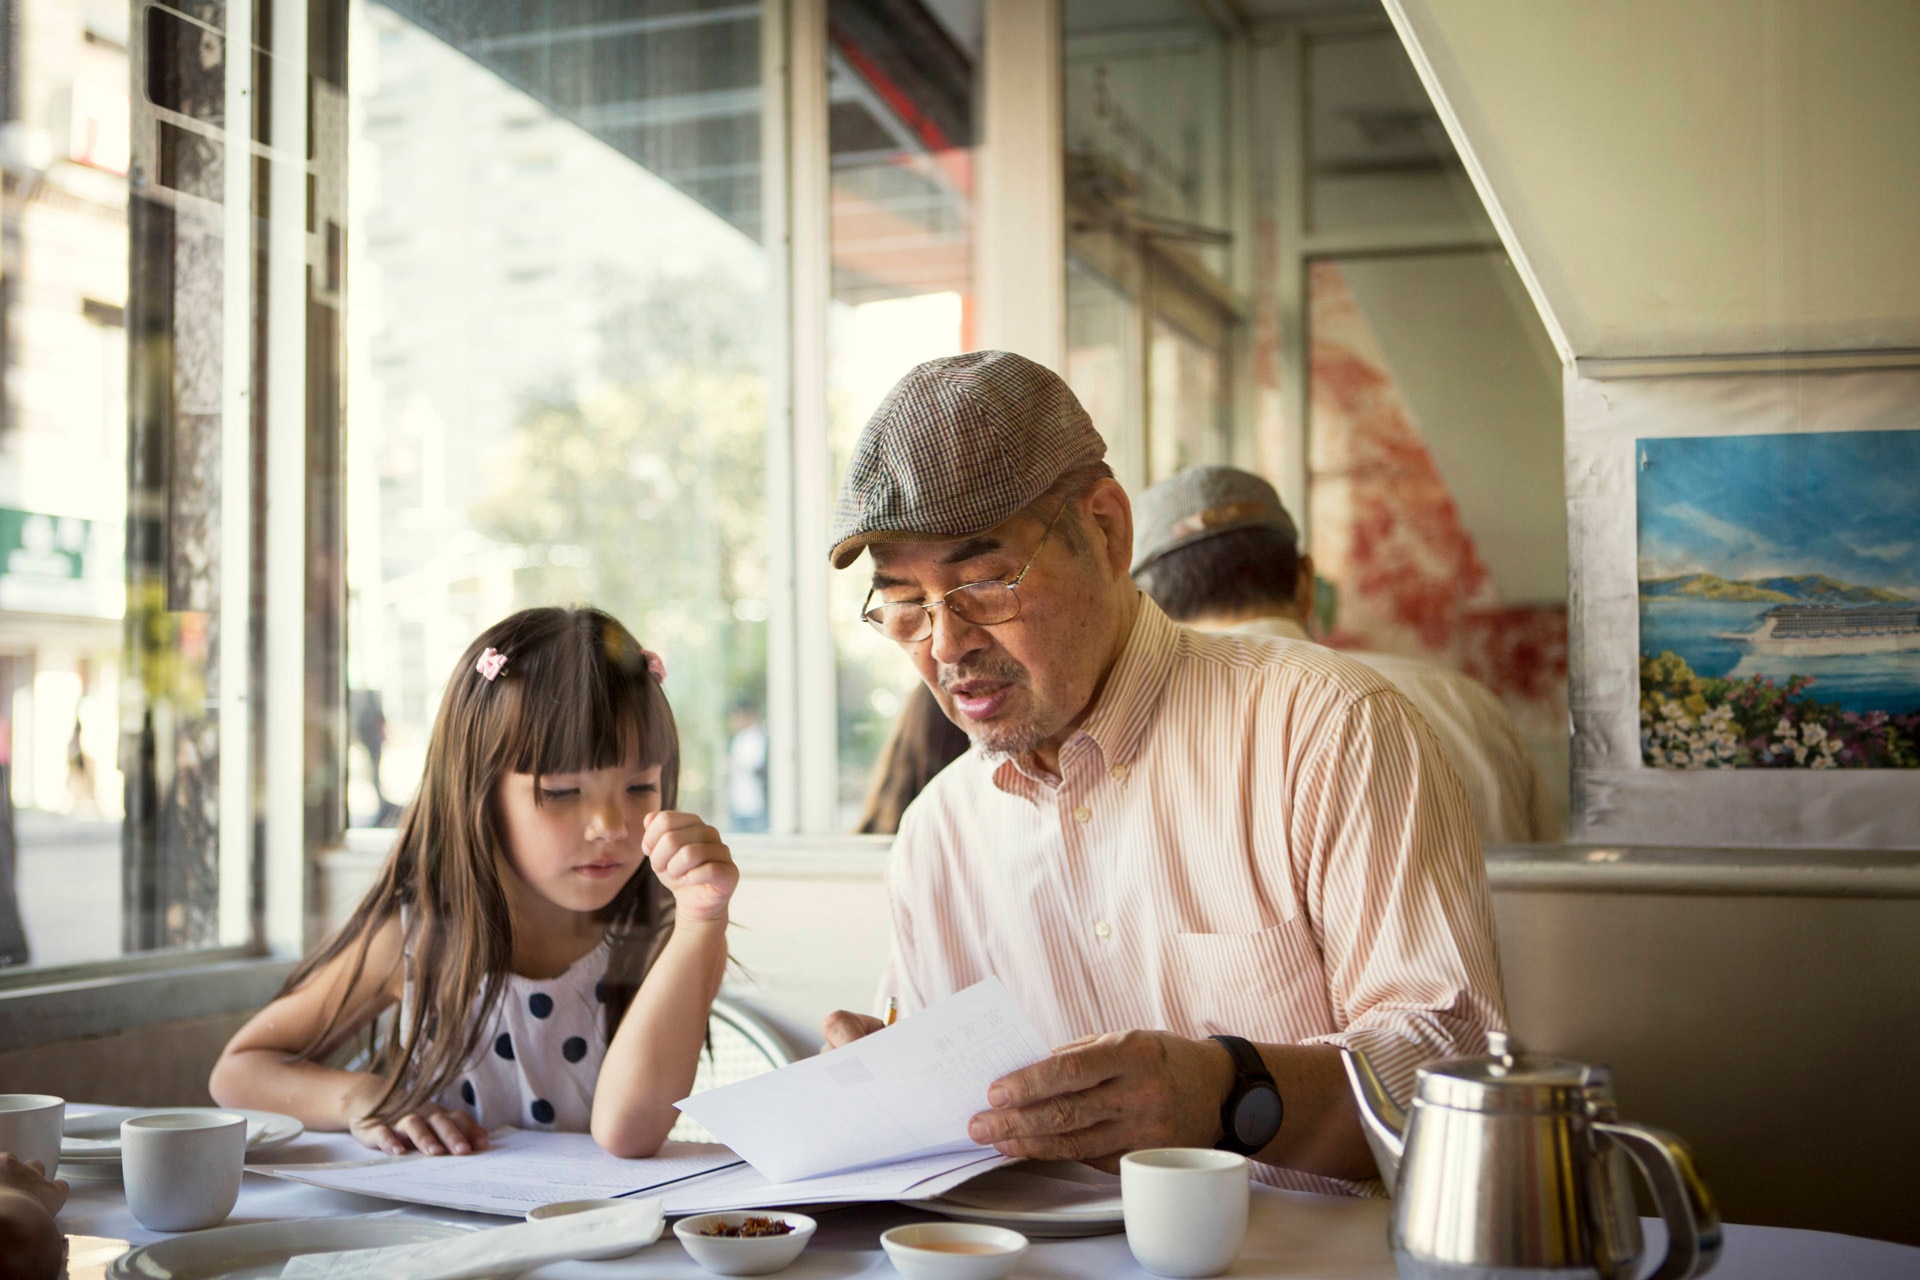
{"points": [[1217, 551], [1200, 863]]}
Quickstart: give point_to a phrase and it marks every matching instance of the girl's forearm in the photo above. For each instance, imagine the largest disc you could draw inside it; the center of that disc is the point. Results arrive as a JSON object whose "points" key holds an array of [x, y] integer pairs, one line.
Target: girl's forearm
{"points": [[317, 1096], [650, 1064]]}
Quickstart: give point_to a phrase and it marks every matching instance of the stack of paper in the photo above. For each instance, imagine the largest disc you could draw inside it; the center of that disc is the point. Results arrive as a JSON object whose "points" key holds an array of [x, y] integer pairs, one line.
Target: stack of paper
{"points": [[884, 1118], [905, 1093]]}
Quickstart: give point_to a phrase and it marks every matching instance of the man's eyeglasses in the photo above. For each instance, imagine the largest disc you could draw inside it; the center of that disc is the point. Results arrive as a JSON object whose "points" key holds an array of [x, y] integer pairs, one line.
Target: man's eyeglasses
{"points": [[983, 604]]}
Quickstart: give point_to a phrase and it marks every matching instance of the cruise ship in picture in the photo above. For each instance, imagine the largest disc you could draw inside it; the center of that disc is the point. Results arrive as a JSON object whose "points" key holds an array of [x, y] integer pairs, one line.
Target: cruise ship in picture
{"points": [[1817, 630]]}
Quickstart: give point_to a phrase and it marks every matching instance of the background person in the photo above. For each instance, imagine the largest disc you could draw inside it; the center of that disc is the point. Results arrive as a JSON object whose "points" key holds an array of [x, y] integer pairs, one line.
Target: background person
{"points": [[1217, 551], [923, 742], [1200, 863]]}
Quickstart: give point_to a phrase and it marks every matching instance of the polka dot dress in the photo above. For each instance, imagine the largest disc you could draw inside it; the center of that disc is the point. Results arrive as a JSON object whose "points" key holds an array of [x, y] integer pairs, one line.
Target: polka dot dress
{"points": [[539, 1058]]}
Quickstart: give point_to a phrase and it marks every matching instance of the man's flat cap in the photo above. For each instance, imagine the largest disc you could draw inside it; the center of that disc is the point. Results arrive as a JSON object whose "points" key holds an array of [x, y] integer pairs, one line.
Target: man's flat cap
{"points": [[1200, 503], [959, 445]]}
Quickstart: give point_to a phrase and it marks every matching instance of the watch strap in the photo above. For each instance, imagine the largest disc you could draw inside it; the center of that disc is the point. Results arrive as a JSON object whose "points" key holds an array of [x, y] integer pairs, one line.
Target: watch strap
{"points": [[1250, 1074]]}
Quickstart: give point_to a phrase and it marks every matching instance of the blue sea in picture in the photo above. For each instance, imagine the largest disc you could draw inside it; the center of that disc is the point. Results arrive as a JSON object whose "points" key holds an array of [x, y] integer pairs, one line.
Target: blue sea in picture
{"points": [[1696, 630]]}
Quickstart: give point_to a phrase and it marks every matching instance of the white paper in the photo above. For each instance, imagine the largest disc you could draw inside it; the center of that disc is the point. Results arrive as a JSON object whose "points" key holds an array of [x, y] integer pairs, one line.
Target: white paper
{"points": [[495, 1252], [903, 1092], [519, 1171], [742, 1187]]}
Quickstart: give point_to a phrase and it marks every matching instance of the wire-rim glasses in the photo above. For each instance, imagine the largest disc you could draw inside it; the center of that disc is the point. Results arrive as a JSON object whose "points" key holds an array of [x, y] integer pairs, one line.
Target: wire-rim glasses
{"points": [[982, 604]]}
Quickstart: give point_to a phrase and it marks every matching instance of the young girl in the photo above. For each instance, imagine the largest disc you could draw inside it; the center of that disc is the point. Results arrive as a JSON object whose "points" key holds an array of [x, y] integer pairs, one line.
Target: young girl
{"points": [[522, 924]]}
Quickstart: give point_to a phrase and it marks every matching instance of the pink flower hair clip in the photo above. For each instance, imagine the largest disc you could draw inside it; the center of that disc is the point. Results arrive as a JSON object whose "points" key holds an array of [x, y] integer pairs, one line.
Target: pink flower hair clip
{"points": [[490, 664], [655, 664]]}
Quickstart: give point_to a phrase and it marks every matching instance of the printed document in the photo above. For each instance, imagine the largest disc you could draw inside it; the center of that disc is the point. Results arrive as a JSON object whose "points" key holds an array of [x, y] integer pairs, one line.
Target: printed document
{"points": [[899, 1094], [521, 1170]]}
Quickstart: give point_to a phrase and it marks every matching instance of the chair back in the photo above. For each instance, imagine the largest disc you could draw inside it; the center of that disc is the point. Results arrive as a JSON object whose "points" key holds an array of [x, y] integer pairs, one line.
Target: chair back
{"points": [[740, 1045]]}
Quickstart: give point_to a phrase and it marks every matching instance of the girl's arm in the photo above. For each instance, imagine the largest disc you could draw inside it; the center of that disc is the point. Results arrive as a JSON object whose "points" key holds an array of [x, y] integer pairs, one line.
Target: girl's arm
{"points": [[651, 1062], [259, 1066]]}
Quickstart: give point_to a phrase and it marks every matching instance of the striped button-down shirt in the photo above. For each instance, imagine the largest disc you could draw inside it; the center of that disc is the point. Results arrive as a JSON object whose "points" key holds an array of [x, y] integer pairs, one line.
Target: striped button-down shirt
{"points": [[1511, 803], [1248, 836]]}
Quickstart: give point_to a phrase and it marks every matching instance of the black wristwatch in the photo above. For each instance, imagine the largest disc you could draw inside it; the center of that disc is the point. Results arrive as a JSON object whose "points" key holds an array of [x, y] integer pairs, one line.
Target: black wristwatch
{"points": [[1252, 1112]]}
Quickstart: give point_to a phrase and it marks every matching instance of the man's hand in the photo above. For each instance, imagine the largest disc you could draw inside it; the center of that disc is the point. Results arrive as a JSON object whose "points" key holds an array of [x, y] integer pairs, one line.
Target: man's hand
{"points": [[1105, 1095], [842, 1027]]}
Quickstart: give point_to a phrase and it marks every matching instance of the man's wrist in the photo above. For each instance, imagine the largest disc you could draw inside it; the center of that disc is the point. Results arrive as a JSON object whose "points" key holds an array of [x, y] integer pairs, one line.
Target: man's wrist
{"points": [[1222, 1076]]}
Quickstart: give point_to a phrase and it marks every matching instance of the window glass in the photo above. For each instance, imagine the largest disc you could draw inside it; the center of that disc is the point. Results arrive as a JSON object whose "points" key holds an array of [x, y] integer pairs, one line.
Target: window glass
{"points": [[1187, 413], [1377, 154], [558, 357], [129, 564], [901, 84]]}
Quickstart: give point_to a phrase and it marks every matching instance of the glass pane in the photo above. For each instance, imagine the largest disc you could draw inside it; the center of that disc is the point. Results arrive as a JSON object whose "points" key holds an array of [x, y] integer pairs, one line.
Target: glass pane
{"points": [[127, 655], [1186, 410], [1377, 154], [559, 362], [1102, 328], [1145, 121], [901, 77]]}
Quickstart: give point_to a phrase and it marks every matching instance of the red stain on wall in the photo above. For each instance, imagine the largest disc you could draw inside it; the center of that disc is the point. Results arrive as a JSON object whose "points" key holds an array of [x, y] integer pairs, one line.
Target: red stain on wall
{"points": [[1389, 537]]}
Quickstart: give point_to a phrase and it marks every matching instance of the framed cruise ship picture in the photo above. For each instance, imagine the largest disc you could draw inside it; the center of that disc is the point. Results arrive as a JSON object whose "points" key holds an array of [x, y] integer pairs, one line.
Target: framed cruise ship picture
{"points": [[1780, 601], [1744, 612]]}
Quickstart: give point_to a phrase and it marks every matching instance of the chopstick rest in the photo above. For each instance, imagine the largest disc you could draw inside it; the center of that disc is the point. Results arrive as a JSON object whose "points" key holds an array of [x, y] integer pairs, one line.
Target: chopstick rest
{"points": [[496, 1251]]}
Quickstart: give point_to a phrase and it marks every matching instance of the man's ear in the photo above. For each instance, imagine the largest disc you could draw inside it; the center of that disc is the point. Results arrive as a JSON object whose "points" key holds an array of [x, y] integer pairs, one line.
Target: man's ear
{"points": [[1110, 512]]}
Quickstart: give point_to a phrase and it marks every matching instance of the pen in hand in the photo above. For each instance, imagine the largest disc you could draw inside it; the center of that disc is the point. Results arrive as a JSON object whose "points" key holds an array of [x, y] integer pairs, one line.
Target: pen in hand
{"points": [[893, 1010]]}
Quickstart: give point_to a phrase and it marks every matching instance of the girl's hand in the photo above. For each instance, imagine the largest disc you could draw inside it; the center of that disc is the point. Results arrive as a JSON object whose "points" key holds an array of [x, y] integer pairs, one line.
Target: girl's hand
{"points": [[433, 1130], [692, 862]]}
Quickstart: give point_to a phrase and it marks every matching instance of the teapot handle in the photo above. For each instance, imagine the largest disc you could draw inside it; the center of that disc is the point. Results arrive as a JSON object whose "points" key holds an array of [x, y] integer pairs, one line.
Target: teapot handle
{"points": [[1693, 1225]]}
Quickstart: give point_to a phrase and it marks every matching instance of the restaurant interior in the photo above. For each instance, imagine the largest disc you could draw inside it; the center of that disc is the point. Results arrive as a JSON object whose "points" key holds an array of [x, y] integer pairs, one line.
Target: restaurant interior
{"points": [[497, 303]]}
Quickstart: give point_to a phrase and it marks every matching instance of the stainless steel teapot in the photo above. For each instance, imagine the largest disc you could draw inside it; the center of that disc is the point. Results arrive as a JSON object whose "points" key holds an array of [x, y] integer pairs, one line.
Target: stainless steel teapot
{"points": [[1515, 1166]]}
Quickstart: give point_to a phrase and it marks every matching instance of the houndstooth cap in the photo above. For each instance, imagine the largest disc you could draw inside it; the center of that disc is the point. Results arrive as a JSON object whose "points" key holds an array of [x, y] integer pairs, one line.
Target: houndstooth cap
{"points": [[959, 445]]}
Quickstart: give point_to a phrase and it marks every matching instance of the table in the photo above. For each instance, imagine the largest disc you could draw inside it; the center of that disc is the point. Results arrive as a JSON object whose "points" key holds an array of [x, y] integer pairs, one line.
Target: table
{"points": [[1289, 1235]]}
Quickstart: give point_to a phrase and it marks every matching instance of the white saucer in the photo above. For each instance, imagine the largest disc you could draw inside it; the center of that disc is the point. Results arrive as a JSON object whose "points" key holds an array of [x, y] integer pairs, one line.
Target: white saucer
{"points": [[90, 1144], [1044, 1198], [259, 1250]]}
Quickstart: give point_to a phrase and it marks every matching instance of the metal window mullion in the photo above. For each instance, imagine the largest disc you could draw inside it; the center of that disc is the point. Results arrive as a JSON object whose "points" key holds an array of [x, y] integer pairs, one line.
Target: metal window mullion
{"points": [[783, 679], [809, 178], [286, 441], [237, 924]]}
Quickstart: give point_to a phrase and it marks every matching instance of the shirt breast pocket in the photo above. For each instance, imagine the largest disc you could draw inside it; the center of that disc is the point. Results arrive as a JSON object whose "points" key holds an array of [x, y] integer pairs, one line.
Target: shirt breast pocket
{"points": [[1265, 984]]}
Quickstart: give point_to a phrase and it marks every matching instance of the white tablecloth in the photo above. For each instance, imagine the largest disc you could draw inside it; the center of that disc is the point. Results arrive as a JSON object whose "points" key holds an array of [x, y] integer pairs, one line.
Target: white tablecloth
{"points": [[1289, 1235]]}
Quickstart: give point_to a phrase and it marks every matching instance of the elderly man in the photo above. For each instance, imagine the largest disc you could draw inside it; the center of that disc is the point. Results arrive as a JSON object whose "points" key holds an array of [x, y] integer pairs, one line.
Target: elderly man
{"points": [[1217, 551], [1200, 863]]}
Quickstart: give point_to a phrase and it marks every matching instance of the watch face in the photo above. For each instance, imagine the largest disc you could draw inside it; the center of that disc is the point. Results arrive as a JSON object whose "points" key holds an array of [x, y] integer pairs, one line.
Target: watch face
{"points": [[1257, 1118]]}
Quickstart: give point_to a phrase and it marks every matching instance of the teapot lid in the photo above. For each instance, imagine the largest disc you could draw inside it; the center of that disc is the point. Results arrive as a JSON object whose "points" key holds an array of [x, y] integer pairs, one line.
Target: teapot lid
{"points": [[1504, 1080]]}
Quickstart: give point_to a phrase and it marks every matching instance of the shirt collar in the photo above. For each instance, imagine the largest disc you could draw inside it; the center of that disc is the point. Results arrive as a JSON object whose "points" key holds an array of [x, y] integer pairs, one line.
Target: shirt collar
{"points": [[1126, 701], [1279, 627]]}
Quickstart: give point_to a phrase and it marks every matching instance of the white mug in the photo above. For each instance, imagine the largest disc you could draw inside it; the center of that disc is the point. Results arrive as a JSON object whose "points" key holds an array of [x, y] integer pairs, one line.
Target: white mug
{"points": [[1186, 1209], [182, 1168], [30, 1127]]}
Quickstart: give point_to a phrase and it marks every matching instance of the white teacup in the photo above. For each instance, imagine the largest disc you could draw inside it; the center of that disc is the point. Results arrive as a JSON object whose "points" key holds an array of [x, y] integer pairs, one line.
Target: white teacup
{"points": [[1186, 1209], [182, 1168], [30, 1127]]}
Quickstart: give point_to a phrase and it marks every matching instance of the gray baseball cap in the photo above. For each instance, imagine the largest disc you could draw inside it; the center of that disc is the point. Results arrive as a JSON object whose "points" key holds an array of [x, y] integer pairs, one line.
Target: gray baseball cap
{"points": [[1201, 502], [959, 445]]}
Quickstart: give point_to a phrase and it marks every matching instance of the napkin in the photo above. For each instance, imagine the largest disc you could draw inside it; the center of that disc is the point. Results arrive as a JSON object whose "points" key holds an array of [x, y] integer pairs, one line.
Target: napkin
{"points": [[494, 1252]]}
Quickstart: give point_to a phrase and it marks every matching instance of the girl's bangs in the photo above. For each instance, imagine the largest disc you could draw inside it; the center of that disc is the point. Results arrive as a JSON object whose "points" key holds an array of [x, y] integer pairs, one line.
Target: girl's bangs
{"points": [[587, 703]]}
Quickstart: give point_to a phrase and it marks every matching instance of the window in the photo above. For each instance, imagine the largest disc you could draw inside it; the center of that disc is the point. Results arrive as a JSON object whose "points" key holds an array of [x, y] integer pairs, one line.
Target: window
{"points": [[901, 101], [558, 353], [146, 288]]}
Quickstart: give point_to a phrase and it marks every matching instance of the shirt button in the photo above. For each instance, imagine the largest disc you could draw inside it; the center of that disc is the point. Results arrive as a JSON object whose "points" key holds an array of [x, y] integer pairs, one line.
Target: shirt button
{"points": [[1102, 930], [1083, 814], [1119, 771]]}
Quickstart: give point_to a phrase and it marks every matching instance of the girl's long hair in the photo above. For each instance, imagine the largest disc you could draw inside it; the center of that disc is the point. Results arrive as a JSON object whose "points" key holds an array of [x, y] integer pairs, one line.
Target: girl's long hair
{"points": [[575, 694]]}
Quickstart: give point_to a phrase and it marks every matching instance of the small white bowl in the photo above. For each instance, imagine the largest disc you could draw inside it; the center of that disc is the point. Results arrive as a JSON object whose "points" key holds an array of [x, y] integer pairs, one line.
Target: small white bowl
{"points": [[744, 1255], [931, 1250], [564, 1208]]}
